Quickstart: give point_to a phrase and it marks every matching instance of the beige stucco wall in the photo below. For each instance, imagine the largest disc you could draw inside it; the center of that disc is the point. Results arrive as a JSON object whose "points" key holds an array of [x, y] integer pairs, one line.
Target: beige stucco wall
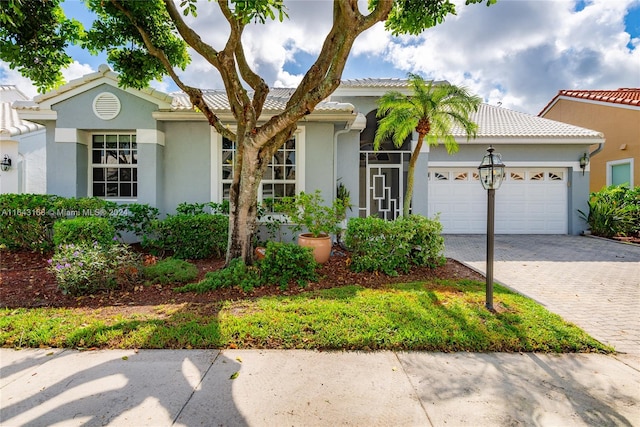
{"points": [[621, 128]]}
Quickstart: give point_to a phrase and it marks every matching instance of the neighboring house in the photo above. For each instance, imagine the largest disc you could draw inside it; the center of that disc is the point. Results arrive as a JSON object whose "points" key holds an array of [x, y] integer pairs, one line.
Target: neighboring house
{"points": [[150, 147], [615, 113], [23, 143]]}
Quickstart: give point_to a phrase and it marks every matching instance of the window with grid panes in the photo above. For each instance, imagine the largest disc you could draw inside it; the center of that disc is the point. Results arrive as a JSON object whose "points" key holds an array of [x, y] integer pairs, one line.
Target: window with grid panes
{"points": [[114, 165], [278, 180]]}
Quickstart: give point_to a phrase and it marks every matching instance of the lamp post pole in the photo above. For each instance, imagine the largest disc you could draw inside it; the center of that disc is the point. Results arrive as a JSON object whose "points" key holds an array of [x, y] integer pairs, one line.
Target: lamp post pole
{"points": [[491, 175], [491, 203]]}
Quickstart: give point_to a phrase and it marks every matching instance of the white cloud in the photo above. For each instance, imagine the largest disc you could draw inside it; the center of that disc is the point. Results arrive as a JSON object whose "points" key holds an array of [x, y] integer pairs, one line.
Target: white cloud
{"points": [[522, 52], [518, 52], [77, 70], [13, 77]]}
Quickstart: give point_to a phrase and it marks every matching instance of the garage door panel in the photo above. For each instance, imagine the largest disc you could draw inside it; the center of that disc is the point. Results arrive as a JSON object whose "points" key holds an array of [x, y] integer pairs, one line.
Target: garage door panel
{"points": [[530, 201]]}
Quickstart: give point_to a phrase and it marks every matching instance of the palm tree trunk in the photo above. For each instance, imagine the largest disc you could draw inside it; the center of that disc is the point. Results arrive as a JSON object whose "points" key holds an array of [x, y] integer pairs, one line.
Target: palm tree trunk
{"points": [[410, 173]]}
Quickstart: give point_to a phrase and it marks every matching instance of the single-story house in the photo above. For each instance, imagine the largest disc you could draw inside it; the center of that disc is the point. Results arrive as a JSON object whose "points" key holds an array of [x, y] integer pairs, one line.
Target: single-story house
{"points": [[151, 147], [615, 113]]}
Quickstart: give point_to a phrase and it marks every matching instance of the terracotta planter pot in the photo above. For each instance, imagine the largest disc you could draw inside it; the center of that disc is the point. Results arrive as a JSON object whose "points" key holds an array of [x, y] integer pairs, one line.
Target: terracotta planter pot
{"points": [[321, 246]]}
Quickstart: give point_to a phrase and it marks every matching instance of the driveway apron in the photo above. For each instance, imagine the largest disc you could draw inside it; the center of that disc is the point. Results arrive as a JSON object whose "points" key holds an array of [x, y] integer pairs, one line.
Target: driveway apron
{"points": [[591, 282]]}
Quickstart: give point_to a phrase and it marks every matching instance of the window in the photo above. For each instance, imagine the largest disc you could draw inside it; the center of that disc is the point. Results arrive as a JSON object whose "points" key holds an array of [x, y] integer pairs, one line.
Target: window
{"points": [[114, 165], [620, 172], [279, 179]]}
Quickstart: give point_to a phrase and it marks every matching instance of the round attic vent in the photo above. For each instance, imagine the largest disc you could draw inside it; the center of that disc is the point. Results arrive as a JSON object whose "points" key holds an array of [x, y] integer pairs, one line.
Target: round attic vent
{"points": [[106, 106]]}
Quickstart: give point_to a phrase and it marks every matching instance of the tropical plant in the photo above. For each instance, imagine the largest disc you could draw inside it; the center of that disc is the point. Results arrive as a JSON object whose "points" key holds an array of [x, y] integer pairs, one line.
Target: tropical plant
{"points": [[432, 110], [147, 40], [308, 211], [613, 211]]}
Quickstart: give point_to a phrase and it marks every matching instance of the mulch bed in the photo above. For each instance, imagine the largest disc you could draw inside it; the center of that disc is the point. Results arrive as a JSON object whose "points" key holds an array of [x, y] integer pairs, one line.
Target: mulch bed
{"points": [[25, 282]]}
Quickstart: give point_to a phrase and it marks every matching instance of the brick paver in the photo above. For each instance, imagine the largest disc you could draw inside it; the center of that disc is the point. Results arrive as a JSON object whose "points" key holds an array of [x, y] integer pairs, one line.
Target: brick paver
{"points": [[592, 282]]}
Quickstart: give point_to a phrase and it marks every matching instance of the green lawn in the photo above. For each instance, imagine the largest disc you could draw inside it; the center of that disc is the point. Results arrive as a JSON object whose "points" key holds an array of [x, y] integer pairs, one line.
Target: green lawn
{"points": [[440, 316]]}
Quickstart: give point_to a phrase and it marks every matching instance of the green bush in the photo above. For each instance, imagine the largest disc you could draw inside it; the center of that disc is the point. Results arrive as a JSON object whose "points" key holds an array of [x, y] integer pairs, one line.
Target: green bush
{"points": [[614, 211], [28, 218], [26, 221], [69, 207], [170, 270], [285, 262], [191, 236], [235, 274], [85, 268], [83, 229], [198, 208], [135, 218], [427, 242], [394, 246]]}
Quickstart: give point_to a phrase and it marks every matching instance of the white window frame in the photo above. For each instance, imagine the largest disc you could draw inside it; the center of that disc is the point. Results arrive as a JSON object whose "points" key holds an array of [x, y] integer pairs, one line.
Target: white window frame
{"points": [[92, 165], [611, 163], [217, 191]]}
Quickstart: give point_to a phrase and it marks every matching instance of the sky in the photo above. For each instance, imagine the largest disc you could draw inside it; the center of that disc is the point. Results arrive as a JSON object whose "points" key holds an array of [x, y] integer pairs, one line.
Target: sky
{"points": [[516, 53]]}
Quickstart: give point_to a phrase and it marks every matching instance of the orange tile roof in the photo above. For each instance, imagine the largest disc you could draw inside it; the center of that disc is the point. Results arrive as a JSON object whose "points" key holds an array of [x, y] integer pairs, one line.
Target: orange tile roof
{"points": [[626, 96]]}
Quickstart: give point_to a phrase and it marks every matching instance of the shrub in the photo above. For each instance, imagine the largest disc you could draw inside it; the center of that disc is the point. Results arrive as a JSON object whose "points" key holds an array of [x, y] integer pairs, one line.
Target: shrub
{"points": [[191, 236], [235, 274], [170, 270], [284, 262], [85, 268], [393, 246], [83, 206], [28, 218], [427, 242], [613, 211], [27, 221], [134, 218], [198, 208], [83, 229]]}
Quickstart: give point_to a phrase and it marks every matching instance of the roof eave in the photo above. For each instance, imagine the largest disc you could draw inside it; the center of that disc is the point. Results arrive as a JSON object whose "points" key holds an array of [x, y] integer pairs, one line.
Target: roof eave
{"points": [[37, 115], [532, 140]]}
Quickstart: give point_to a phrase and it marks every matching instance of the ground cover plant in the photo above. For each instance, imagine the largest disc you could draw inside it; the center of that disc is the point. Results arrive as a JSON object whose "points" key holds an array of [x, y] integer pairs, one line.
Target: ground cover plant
{"points": [[426, 309], [436, 316]]}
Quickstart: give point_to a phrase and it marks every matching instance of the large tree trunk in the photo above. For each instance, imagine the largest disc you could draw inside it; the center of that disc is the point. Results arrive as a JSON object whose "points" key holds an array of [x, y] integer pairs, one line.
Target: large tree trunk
{"points": [[408, 194], [253, 156], [243, 205]]}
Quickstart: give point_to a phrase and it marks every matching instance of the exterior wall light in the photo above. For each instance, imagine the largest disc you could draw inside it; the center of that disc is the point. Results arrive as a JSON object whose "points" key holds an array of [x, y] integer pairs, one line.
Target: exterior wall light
{"points": [[5, 164], [584, 161], [491, 175]]}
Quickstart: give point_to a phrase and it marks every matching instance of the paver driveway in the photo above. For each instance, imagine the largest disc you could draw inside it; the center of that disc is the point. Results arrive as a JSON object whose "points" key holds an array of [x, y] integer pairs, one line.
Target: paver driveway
{"points": [[592, 282]]}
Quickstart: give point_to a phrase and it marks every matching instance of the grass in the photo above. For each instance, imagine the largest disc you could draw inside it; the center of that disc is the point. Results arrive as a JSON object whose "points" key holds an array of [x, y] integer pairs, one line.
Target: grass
{"points": [[440, 316]]}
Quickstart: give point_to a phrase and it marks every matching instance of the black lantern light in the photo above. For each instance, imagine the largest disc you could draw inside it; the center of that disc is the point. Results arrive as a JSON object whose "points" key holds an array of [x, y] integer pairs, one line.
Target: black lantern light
{"points": [[584, 161], [5, 164], [491, 170], [491, 175]]}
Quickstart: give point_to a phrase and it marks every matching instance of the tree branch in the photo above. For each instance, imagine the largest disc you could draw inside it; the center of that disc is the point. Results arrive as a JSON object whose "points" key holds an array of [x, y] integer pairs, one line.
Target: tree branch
{"points": [[195, 94]]}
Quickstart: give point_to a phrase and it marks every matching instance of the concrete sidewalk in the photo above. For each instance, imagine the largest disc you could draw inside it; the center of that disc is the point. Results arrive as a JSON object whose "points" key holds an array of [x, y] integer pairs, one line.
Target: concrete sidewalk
{"points": [[308, 388]]}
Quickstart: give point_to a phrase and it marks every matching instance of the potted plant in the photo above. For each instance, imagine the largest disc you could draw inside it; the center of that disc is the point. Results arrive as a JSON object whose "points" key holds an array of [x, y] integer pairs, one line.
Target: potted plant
{"points": [[307, 211]]}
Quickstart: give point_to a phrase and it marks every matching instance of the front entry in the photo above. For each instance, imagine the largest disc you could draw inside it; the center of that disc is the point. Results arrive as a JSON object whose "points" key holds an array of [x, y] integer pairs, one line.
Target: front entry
{"points": [[383, 174], [382, 183]]}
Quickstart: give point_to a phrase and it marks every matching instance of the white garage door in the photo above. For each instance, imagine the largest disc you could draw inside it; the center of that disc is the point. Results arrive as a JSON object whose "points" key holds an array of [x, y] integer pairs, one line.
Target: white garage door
{"points": [[530, 201]]}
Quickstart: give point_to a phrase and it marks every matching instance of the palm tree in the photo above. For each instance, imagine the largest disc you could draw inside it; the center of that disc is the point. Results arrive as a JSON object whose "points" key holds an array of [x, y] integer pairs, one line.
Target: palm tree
{"points": [[432, 110]]}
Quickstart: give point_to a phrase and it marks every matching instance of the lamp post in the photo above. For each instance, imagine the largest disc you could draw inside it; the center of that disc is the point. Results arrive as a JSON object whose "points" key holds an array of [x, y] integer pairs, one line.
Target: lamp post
{"points": [[491, 174]]}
